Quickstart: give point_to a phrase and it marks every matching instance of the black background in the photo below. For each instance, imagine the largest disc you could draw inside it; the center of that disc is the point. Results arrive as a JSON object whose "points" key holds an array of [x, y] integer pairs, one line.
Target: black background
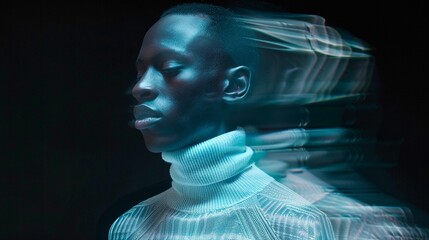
{"points": [[70, 161]]}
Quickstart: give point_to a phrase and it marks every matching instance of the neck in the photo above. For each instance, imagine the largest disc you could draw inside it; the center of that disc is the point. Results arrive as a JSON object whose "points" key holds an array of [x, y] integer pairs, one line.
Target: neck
{"points": [[210, 161], [215, 173]]}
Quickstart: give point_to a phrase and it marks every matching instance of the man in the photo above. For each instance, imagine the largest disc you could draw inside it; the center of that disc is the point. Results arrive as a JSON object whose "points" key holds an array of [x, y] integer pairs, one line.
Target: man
{"points": [[193, 63]]}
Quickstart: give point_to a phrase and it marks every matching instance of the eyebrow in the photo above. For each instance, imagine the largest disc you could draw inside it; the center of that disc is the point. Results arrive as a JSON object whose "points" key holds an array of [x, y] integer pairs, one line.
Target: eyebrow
{"points": [[164, 54]]}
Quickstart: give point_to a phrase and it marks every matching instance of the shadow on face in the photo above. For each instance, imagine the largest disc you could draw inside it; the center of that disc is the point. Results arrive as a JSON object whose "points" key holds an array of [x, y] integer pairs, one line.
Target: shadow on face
{"points": [[180, 84]]}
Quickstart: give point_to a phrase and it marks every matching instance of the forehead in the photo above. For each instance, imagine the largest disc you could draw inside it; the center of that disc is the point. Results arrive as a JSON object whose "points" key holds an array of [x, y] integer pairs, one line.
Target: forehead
{"points": [[174, 32]]}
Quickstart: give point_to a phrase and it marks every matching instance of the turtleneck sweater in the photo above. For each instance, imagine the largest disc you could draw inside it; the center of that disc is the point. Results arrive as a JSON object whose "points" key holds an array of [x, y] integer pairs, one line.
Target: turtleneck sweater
{"points": [[217, 192]]}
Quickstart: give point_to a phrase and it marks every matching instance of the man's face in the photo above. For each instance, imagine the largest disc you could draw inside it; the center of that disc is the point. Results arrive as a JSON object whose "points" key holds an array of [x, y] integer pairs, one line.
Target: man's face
{"points": [[179, 86]]}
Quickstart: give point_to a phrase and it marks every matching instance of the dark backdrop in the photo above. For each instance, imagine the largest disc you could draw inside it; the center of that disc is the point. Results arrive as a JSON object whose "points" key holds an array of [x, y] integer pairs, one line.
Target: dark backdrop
{"points": [[71, 163]]}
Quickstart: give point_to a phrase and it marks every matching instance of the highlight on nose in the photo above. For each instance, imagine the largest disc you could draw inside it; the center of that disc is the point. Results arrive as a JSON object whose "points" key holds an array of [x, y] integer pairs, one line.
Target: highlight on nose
{"points": [[143, 93]]}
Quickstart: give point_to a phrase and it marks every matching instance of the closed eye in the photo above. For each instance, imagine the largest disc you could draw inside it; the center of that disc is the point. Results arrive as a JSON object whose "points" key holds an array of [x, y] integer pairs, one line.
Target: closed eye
{"points": [[171, 71]]}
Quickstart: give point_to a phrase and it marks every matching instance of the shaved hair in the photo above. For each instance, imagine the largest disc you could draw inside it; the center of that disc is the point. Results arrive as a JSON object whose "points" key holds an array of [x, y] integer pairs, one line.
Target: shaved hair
{"points": [[225, 28]]}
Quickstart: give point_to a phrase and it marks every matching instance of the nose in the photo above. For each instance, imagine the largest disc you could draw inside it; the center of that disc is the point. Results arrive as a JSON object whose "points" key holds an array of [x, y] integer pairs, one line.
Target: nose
{"points": [[145, 90]]}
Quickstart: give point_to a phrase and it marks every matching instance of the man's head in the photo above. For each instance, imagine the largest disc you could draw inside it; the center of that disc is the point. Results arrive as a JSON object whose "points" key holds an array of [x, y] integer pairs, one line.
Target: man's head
{"points": [[192, 61]]}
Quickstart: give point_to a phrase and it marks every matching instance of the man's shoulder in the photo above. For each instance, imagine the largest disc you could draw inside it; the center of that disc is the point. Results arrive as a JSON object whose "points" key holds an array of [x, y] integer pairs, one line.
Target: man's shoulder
{"points": [[278, 193], [290, 214], [129, 221], [145, 204]]}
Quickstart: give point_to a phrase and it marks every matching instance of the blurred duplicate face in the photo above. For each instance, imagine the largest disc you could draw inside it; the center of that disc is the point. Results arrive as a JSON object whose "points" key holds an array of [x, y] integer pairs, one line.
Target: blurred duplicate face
{"points": [[179, 84]]}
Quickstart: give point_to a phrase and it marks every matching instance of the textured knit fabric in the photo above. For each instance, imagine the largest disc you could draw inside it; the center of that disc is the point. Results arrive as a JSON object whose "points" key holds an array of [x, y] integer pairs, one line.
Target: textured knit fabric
{"points": [[218, 193], [334, 187]]}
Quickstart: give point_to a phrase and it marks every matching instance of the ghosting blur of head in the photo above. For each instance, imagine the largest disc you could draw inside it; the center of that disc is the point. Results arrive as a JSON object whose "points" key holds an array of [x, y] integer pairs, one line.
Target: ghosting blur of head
{"points": [[191, 63]]}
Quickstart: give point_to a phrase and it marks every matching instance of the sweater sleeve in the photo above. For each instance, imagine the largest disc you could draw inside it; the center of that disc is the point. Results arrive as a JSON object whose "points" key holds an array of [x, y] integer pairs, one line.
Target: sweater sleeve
{"points": [[122, 227], [130, 224]]}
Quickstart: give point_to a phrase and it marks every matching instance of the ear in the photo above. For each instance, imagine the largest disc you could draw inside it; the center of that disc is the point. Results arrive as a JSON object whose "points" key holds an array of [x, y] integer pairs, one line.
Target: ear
{"points": [[237, 83]]}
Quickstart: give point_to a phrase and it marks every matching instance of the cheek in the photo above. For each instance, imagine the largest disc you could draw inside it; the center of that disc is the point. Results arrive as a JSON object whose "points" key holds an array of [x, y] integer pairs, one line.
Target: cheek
{"points": [[214, 90], [190, 80], [194, 92], [205, 81], [179, 105], [190, 110], [190, 88]]}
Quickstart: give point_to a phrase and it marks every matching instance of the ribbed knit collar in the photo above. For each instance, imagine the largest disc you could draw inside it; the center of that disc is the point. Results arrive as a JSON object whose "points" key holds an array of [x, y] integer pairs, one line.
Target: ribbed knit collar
{"points": [[214, 174], [210, 161]]}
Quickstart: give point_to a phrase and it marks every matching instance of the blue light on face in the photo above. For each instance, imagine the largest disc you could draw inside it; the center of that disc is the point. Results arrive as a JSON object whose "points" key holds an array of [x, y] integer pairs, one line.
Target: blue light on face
{"points": [[310, 120]]}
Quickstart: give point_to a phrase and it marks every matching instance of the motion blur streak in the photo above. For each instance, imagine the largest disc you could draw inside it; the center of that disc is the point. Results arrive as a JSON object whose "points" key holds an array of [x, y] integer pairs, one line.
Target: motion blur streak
{"points": [[311, 118], [304, 61]]}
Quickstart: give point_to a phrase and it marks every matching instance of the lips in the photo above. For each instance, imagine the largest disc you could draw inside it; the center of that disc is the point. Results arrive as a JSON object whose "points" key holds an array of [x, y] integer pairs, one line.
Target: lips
{"points": [[145, 116]]}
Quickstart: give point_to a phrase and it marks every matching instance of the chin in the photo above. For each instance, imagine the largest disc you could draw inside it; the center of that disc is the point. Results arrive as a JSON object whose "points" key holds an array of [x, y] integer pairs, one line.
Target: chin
{"points": [[154, 149], [156, 144], [152, 146]]}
